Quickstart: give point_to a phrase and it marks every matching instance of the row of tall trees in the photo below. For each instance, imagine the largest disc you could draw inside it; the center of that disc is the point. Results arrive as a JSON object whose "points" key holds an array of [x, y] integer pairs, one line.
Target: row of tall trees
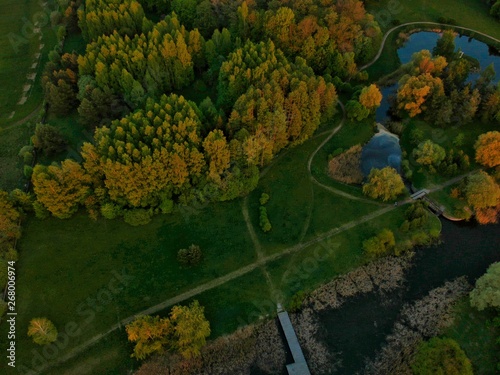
{"points": [[158, 61], [103, 17], [276, 103]]}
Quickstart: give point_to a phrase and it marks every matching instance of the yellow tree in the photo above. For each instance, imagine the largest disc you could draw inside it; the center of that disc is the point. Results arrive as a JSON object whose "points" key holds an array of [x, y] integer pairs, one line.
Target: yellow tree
{"points": [[217, 154], [191, 329], [370, 97], [488, 149], [481, 191], [42, 331], [61, 189], [384, 183], [150, 335]]}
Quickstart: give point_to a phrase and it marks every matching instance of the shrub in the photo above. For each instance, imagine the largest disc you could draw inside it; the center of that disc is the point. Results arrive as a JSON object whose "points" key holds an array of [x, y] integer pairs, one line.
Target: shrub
{"points": [[26, 153], [40, 211], [110, 211], [264, 198], [381, 244], [296, 301], [190, 256], [441, 356], [264, 222], [28, 171], [42, 331], [138, 216], [167, 206]]}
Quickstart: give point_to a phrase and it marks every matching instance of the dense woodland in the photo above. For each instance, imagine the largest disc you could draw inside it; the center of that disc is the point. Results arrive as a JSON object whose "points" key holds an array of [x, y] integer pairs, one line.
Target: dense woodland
{"points": [[272, 73], [274, 68]]}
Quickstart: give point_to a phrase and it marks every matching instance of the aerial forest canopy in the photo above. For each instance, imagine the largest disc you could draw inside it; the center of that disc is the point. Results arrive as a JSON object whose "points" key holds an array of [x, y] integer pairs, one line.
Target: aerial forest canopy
{"points": [[273, 67]]}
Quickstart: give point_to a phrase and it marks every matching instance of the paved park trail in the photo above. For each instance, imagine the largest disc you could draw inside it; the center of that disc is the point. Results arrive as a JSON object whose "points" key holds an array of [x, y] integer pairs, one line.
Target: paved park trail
{"points": [[262, 260]]}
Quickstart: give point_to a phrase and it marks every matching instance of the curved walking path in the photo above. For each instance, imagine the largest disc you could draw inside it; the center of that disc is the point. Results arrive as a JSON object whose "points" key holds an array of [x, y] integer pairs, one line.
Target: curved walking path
{"points": [[390, 31], [261, 259], [326, 187]]}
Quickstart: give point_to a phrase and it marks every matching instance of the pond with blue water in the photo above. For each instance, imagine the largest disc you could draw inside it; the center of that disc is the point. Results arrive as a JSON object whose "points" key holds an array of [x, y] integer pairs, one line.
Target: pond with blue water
{"points": [[383, 149]]}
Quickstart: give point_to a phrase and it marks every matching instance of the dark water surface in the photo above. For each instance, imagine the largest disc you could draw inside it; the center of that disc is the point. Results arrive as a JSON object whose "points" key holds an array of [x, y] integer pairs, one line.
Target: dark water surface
{"points": [[358, 329]]}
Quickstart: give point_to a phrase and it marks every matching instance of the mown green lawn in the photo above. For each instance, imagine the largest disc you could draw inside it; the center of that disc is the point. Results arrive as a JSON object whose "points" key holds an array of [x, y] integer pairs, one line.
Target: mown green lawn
{"points": [[66, 266], [18, 47], [17, 54]]}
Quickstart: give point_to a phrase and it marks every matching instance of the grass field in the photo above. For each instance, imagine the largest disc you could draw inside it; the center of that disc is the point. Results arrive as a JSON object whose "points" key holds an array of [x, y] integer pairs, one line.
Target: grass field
{"points": [[473, 14], [17, 54], [72, 262], [474, 332], [86, 255], [18, 47]]}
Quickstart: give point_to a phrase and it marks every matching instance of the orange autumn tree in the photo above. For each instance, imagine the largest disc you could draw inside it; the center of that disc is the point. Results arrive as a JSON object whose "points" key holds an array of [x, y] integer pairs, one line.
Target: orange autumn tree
{"points": [[370, 97], [415, 91], [184, 331], [61, 189], [9, 220], [488, 149]]}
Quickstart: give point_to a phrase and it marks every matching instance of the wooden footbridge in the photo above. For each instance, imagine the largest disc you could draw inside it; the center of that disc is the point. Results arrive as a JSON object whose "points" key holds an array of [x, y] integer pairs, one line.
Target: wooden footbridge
{"points": [[299, 367]]}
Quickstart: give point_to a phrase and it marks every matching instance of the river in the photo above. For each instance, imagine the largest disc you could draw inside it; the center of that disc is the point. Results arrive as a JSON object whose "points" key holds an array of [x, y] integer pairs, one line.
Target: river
{"points": [[357, 330]]}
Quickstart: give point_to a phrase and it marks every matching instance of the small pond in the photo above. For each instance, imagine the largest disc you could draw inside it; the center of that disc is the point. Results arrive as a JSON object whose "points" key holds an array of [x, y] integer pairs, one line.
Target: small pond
{"points": [[383, 149]]}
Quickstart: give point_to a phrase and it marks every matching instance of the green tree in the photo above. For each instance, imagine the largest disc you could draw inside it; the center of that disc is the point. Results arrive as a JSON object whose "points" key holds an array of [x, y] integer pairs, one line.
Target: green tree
{"points": [[385, 183], [356, 111], [429, 153], [381, 244], [190, 256], [186, 11], [445, 45], [48, 139], [486, 293], [441, 356], [42, 331]]}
